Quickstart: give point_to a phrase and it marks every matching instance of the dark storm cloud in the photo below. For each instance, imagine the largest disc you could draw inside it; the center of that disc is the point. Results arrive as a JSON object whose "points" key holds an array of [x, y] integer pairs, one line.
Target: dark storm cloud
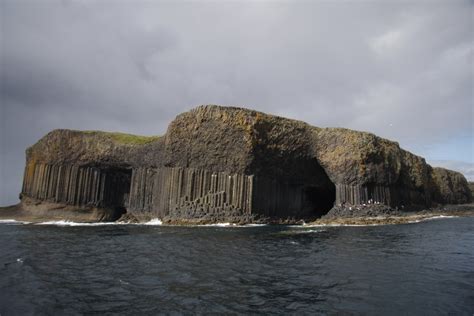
{"points": [[400, 69]]}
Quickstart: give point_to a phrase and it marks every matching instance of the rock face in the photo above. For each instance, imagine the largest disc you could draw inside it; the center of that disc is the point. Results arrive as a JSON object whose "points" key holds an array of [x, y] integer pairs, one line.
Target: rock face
{"points": [[231, 164], [452, 187], [471, 187]]}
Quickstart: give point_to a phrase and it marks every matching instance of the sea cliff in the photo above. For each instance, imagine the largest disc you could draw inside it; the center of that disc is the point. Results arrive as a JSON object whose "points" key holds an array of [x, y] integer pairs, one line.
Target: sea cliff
{"points": [[228, 164]]}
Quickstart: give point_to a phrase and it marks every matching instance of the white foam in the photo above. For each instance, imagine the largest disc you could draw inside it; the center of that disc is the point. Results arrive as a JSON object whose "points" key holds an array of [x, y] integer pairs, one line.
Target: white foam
{"points": [[307, 231], [70, 223], [6, 221], [13, 221], [355, 225], [253, 225], [431, 218], [442, 216], [152, 222], [344, 225], [123, 282], [218, 225], [302, 230], [230, 225], [158, 222]]}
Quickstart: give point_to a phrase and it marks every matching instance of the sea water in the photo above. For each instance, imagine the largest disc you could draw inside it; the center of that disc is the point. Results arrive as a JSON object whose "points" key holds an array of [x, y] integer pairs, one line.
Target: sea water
{"points": [[70, 268]]}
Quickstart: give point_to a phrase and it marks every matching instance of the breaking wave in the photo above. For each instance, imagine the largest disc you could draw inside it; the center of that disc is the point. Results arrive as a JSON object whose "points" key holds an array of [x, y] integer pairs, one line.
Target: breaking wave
{"points": [[432, 218], [230, 225], [12, 221], [70, 223], [158, 222], [152, 222], [304, 231]]}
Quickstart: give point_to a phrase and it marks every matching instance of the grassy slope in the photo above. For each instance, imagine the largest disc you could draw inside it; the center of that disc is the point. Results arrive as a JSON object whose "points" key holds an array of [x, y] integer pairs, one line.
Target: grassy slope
{"points": [[123, 138]]}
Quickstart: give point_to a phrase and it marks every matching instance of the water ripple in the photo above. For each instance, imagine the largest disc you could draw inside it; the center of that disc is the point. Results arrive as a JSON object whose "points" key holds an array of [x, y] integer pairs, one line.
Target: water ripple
{"points": [[149, 269]]}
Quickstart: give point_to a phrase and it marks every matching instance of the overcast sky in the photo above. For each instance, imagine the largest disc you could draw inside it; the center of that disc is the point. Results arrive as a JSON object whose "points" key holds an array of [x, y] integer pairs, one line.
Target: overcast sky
{"points": [[400, 69]]}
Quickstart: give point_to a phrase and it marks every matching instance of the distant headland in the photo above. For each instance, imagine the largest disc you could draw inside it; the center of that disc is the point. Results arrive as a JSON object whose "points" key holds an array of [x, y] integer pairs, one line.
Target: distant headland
{"points": [[228, 164]]}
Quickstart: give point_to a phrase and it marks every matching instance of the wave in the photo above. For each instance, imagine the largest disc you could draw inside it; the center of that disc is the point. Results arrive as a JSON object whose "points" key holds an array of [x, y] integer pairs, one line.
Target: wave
{"points": [[253, 225], [305, 231], [218, 225], [349, 225], [152, 222], [158, 222], [70, 223], [434, 217], [13, 221], [230, 225]]}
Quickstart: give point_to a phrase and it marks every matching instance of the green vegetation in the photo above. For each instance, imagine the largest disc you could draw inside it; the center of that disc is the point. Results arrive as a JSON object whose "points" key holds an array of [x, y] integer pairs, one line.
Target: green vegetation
{"points": [[123, 138], [133, 139]]}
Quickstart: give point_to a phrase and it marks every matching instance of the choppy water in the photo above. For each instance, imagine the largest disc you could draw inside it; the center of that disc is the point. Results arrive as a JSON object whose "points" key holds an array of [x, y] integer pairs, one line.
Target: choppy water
{"points": [[424, 268]]}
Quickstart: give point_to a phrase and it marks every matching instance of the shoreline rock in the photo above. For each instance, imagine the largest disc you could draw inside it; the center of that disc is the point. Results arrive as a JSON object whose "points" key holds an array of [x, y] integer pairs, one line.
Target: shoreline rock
{"points": [[367, 217], [406, 218]]}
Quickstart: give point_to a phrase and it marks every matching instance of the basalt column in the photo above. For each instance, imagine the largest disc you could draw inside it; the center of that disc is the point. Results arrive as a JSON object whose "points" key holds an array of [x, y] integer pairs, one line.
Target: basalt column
{"points": [[364, 194], [280, 198], [161, 191], [76, 185]]}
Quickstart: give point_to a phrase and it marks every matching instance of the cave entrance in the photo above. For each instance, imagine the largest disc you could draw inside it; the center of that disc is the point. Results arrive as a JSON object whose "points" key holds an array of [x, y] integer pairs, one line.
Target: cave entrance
{"points": [[117, 189], [319, 200]]}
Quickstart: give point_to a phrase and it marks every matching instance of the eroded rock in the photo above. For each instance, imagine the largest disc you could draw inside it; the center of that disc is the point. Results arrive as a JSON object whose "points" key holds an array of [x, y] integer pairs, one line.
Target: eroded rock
{"points": [[227, 164]]}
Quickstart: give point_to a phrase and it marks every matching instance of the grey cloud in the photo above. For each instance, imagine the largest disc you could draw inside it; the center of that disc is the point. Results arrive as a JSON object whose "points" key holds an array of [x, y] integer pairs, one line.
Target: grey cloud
{"points": [[402, 70]]}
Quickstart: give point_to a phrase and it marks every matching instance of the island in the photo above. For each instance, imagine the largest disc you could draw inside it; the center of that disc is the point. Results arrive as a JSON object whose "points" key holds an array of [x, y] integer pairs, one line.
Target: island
{"points": [[227, 164]]}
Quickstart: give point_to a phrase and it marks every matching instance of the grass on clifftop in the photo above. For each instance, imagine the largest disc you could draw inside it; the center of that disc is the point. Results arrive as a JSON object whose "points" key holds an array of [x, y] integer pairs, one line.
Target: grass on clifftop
{"points": [[128, 139]]}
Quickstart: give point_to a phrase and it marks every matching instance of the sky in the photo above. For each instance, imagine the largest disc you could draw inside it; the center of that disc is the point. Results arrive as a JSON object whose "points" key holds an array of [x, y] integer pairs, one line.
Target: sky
{"points": [[400, 69]]}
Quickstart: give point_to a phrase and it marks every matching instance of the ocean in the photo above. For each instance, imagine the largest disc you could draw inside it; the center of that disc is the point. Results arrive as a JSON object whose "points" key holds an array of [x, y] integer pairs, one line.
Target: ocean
{"points": [[63, 268]]}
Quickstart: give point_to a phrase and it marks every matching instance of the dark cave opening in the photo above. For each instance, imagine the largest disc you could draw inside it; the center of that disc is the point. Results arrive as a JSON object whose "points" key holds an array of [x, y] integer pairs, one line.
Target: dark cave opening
{"points": [[319, 200], [118, 211], [117, 189]]}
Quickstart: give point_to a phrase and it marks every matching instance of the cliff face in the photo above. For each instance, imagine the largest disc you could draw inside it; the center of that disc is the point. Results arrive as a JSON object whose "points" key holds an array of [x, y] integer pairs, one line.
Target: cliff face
{"points": [[452, 187], [95, 148], [273, 154], [232, 164], [471, 187], [369, 168]]}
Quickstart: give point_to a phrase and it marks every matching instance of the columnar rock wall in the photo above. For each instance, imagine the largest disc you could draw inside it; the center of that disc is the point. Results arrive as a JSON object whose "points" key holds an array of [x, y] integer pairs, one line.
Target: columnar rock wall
{"points": [[363, 194], [229, 161], [163, 191], [276, 151], [75, 185], [391, 195], [279, 198]]}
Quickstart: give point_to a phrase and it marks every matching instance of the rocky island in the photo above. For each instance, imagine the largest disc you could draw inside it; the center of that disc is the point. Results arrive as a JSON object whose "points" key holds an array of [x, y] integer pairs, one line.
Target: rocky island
{"points": [[228, 164]]}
